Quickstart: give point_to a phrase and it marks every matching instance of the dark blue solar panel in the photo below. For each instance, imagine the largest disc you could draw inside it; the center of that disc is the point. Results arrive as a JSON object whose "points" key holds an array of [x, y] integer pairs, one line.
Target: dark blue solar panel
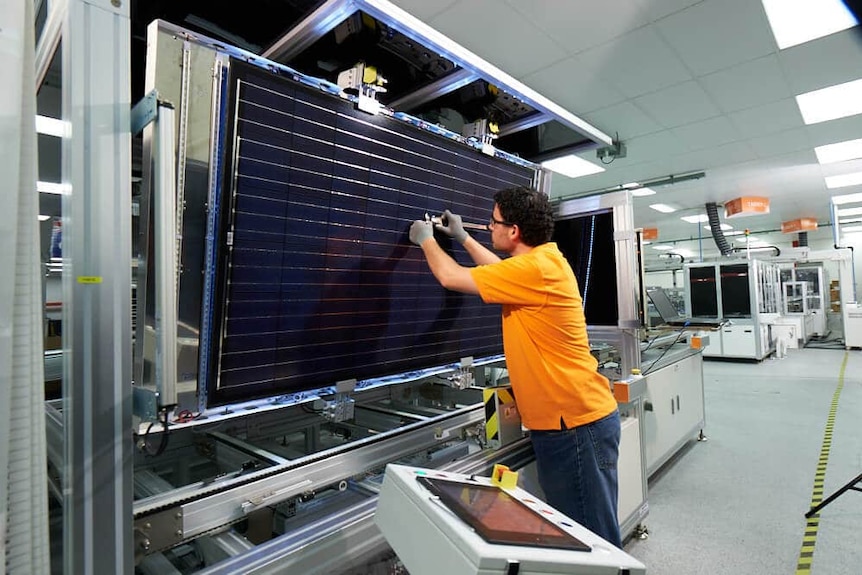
{"points": [[317, 279]]}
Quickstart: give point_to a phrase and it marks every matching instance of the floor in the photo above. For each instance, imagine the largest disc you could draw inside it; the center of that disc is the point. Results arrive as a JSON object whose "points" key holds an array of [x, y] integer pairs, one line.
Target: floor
{"points": [[736, 503]]}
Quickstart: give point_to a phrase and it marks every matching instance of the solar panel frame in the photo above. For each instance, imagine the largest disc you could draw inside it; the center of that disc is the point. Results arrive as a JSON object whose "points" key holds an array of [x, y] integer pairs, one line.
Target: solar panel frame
{"points": [[315, 278]]}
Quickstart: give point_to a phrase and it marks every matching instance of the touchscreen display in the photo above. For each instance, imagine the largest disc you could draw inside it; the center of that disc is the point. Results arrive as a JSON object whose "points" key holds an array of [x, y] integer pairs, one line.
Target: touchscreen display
{"points": [[500, 518]]}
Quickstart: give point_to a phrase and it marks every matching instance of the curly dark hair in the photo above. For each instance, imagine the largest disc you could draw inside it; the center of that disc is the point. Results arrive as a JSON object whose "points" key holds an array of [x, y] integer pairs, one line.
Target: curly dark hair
{"points": [[530, 210]]}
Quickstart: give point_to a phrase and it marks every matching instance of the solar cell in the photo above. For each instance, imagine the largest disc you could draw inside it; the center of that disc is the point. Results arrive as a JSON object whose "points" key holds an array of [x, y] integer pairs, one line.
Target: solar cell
{"points": [[316, 279]]}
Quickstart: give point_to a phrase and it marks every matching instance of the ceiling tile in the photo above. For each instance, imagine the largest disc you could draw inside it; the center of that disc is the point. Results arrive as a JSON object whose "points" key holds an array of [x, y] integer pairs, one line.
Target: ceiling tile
{"points": [[767, 119], [655, 146], [577, 26], [658, 9], [707, 134], [835, 131], [638, 63], [793, 140], [705, 159], [678, 105], [747, 85], [717, 34], [424, 9], [574, 86], [468, 24], [827, 61], [625, 118]]}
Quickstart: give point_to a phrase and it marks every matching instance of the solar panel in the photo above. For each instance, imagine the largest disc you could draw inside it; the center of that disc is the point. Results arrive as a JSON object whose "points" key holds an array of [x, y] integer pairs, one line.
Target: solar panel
{"points": [[316, 280]]}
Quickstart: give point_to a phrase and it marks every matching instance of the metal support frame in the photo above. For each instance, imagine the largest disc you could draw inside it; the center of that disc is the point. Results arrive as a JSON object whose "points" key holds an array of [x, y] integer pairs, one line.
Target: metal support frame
{"points": [[97, 473]]}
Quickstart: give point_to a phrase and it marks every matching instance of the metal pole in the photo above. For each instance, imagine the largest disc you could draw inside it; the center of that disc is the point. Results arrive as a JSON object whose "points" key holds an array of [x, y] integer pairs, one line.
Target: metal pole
{"points": [[97, 481]]}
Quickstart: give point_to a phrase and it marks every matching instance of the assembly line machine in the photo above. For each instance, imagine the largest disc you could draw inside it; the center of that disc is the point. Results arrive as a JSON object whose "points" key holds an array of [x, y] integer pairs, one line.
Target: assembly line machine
{"points": [[289, 343]]}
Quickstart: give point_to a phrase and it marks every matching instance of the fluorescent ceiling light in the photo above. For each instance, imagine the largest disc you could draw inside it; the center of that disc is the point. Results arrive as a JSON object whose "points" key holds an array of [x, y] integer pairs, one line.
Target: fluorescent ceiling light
{"points": [[847, 199], [850, 221], [723, 227], [840, 152], [844, 180], [646, 243], [572, 166], [852, 229], [662, 248], [797, 22], [684, 253], [695, 219], [44, 218], [663, 208], [735, 233], [850, 212], [52, 127], [830, 103], [52, 188], [748, 239], [643, 192]]}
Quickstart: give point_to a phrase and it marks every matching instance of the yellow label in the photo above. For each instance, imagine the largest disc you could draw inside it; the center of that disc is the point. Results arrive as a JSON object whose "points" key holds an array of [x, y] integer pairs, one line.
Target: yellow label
{"points": [[89, 279]]}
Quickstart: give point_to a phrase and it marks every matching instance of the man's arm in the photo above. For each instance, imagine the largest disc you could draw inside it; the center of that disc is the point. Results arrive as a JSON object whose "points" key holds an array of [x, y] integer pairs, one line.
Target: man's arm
{"points": [[448, 272], [480, 254], [454, 228]]}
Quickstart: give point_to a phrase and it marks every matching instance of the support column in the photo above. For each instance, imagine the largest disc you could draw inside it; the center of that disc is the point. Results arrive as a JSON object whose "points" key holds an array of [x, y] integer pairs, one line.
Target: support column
{"points": [[97, 289]]}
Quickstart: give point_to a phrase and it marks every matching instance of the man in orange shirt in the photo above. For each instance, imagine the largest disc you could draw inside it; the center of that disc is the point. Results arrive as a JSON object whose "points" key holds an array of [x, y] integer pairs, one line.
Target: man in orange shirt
{"points": [[563, 400]]}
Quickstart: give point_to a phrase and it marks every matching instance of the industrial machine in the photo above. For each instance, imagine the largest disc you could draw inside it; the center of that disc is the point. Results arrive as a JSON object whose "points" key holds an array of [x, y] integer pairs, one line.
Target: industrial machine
{"points": [[465, 524], [289, 343], [746, 295]]}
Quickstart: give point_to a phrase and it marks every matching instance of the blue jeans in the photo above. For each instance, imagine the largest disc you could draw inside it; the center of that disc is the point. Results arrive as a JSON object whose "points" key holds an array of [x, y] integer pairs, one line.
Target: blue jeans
{"points": [[577, 470]]}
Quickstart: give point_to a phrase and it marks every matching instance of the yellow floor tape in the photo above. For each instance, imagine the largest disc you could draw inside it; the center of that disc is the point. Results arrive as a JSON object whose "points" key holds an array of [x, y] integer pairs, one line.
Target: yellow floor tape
{"points": [[809, 539]]}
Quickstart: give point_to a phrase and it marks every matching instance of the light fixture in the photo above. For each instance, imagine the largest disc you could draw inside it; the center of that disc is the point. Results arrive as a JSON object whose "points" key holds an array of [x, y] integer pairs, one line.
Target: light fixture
{"points": [[695, 219], [723, 227], [844, 180], [662, 247], [797, 22], [847, 199], [751, 239], [850, 221], [852, 229], [850, 212], [52, 127], [663, 208], [837, 101], [44, 218], [735, 233], [839, 152], [52, 187], [572, 166], [639, 192]]}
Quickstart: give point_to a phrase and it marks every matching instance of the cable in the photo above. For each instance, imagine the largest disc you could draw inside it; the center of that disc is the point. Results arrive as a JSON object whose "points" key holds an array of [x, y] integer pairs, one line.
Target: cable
{"points": [[163, 443], [679, 335]]}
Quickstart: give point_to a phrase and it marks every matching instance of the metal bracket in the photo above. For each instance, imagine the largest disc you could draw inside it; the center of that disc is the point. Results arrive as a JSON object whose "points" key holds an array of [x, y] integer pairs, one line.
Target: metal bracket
{"points": [[159, 531]]}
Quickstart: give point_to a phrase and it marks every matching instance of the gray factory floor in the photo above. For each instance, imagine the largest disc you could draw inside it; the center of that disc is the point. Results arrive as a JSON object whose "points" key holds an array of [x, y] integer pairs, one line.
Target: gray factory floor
{"points": [[735, 504]]}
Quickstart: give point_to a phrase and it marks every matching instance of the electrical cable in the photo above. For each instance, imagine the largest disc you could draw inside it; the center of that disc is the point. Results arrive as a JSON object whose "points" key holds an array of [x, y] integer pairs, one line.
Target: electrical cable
{"points": [[163, 443], [663, 353]]}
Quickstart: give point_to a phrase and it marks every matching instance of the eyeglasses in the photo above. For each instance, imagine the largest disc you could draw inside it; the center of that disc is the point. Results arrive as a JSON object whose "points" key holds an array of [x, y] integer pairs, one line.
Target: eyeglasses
{"points": [[495, 222]]}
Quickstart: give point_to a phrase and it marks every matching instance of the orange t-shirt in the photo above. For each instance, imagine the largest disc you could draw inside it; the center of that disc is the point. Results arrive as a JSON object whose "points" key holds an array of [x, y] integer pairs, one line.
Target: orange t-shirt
{"points": [[548, 356]]}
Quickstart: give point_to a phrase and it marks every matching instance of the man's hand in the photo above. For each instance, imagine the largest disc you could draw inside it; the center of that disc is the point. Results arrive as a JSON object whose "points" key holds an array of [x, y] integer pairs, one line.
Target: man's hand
{"points": [[420, 231], [454, 227]]}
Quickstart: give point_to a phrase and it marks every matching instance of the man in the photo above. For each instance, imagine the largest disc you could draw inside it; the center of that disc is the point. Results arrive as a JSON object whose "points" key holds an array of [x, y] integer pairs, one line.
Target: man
{"points": [[567, 405]]}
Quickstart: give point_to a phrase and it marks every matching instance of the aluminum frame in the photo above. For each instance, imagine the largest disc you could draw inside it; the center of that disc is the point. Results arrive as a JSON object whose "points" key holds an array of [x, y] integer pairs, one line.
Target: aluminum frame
{"points": [[97, 286], [626, 246]]}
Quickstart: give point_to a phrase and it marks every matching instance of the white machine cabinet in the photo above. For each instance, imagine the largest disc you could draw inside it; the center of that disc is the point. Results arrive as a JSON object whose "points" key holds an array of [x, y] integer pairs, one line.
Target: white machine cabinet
{"points": [[674, 408], [423, 515]]}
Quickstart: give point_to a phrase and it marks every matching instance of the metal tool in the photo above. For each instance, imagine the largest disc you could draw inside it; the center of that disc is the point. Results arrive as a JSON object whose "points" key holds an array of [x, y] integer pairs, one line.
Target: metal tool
{"points": [[438, 220]]}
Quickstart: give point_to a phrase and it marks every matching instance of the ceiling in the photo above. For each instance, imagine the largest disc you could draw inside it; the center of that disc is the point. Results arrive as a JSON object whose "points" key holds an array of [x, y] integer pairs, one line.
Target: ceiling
{"points": [[687, 85]]}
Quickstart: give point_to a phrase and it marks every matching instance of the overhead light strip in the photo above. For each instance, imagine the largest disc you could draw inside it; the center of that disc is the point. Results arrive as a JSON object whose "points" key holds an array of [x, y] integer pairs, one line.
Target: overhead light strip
{"points": [[797, 22], [839, 101]]}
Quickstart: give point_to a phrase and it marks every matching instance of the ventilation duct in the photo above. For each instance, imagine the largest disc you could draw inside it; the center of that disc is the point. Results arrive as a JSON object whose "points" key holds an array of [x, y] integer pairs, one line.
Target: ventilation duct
{"points": [[802, 239], [715, 228]]}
